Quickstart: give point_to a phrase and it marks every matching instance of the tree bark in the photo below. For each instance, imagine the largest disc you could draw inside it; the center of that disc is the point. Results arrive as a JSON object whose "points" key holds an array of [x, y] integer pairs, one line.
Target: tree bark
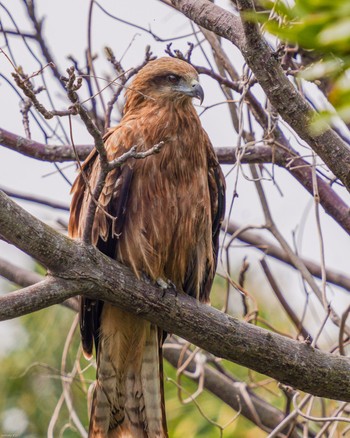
{"points": [[287, 101], [76, 268]]}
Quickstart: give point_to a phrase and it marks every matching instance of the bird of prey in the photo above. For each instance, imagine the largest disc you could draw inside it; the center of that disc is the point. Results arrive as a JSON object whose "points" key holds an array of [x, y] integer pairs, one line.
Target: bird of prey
{"points": [[168, 209]]}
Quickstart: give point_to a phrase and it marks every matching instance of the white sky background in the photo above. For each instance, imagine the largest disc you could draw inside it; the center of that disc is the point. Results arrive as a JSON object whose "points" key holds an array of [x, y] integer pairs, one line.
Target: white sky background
{"points": [[66, 34]]}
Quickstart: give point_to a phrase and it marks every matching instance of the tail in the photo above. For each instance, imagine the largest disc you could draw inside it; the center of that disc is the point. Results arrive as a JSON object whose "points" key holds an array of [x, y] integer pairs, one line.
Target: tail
{"points": [[129, 398]]}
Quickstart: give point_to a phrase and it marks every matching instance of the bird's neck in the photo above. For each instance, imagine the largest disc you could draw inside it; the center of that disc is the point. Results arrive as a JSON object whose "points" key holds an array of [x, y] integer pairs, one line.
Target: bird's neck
{"points": [[165, 118], [176, 124]]}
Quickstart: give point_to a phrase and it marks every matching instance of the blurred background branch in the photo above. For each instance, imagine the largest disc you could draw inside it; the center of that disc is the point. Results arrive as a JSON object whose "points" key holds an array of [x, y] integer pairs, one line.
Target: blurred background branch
{"points": [[277, 94]]}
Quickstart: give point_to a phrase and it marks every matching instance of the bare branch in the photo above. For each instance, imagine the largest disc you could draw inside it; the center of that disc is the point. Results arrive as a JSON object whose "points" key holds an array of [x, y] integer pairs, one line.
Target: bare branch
{"points": [[28, 91], [341, 331], [295, 260], [39, 37], [290, 104], [330, 200], [230, 390], [276, 252], [38, 296], [123, 79], [18, 275], [292, 107], [72, 86], [27, 233], [226, 388], [149, 31], [290, 312], [84, 270], [205, 13], [24, 277], [35, 199], [132, 153], [41, 151]]}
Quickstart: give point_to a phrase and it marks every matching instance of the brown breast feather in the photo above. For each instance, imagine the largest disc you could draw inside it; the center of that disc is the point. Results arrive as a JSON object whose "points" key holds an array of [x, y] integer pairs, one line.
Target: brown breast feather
{"points": [[168, 210]]}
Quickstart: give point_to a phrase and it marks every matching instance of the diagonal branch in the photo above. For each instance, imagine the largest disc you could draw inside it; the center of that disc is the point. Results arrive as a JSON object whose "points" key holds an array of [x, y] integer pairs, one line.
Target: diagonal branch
{"points": [[233, 392], [230, 390], [50, 291], [40, 38], [15, 274], [77, 268], [24, 277], [36, 199], [206, 14], [291, 106], [270, 249]]}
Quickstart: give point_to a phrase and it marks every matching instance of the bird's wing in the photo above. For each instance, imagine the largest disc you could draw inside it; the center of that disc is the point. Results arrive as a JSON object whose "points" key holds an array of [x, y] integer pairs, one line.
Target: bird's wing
{"points": [[217, 188], [216, 209], [108, 221]]}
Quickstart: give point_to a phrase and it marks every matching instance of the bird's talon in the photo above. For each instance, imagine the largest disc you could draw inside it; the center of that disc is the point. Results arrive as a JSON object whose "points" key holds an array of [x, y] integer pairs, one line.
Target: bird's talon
{"points": [[162, 283], [166, 284]]}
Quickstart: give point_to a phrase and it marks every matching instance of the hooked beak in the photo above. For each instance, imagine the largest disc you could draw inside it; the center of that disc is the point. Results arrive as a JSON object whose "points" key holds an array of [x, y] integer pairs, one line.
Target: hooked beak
{"points": [[194, 89], [197, 91]]}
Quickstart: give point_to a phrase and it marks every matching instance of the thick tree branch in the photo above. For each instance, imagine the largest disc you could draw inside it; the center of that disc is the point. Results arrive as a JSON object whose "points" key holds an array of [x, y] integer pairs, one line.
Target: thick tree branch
{"points": [[290, 104], [17, 226], [50, 291], [292, 107], [205, 13], [233, 392], [24, 277], [82, 269]]}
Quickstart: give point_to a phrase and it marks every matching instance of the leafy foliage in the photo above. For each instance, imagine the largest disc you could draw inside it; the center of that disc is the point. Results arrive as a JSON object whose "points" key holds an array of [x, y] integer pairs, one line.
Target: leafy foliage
{"points": [[322, 28]]}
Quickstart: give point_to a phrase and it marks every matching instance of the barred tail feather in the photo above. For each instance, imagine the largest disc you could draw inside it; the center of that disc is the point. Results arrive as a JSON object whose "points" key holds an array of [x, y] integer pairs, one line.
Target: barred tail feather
{"points": [[128, 400]]}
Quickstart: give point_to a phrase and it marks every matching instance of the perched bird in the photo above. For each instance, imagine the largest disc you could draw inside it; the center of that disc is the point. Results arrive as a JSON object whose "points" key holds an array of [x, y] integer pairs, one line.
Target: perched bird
{"points": [[168, 209]]}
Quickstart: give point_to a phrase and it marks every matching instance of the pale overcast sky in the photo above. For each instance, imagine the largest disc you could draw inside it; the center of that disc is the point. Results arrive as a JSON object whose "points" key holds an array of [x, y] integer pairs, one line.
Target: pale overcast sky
{"points": [[66, 33]]}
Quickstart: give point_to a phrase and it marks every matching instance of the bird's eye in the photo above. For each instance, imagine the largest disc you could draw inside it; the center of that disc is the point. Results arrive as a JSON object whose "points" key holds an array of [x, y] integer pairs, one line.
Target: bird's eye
{"points": [[173, 79]]}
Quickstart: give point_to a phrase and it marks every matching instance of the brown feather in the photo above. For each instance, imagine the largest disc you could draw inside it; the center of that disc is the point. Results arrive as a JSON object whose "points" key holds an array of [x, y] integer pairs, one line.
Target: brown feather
{"points": [[168, 210]]}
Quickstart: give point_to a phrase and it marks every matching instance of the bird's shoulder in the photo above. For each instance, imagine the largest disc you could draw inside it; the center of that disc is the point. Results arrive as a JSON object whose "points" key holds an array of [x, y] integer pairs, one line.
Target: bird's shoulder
{"points": [[121, 138]]}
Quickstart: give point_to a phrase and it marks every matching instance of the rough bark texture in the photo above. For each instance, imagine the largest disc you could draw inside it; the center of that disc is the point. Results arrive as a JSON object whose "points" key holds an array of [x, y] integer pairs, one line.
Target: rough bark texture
{"points": [[89, 272], [291, 106], [233, 392], [205, 13]]}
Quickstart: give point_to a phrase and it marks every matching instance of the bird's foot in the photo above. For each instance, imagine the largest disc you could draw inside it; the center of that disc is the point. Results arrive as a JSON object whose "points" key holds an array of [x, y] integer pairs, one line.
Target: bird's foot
{"points": [[166, 284]]}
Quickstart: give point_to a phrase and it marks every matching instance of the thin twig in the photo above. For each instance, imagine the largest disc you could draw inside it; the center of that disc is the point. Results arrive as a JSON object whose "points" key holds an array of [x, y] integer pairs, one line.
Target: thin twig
{"points": [[290, 312], [66, 384], [289, 418], [270, 225], [312, 418]]}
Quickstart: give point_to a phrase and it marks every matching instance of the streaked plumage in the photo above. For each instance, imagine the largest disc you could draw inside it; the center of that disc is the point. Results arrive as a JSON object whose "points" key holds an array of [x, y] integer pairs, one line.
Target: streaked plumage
{"points": [[169, 208]]}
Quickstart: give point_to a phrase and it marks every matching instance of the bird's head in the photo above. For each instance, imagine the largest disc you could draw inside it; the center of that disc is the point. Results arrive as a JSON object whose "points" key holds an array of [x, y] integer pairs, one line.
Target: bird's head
{"points": [[166, 79]]}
